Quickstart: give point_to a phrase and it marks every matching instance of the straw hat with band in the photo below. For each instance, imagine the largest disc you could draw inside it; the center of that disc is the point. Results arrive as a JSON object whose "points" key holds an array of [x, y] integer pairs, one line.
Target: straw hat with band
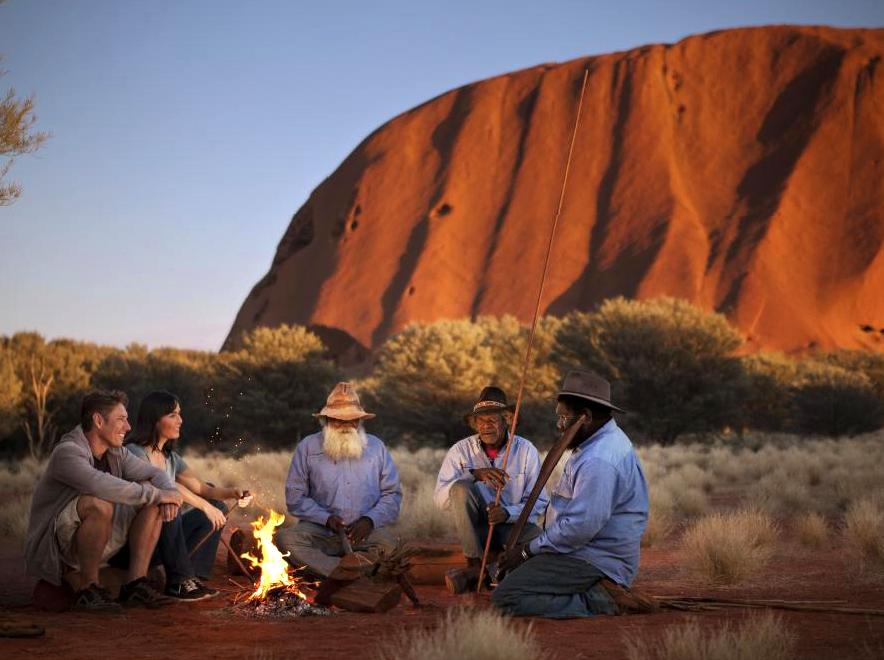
{"points": [[589, 386], [343, 403]]}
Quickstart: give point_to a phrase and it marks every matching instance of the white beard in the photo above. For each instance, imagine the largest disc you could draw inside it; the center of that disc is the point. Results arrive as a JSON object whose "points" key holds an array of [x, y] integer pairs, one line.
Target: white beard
{"points": [[344, 443]]}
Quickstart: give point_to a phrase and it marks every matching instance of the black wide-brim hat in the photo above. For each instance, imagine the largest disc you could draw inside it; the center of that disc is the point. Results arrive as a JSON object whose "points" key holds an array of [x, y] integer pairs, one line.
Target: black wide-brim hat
{"points": [[589, 386], [491, 400]]}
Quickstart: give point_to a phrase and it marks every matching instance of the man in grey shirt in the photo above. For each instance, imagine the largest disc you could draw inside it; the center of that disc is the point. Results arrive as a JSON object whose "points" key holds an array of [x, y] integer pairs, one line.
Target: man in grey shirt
{"points": [[94, 498]]}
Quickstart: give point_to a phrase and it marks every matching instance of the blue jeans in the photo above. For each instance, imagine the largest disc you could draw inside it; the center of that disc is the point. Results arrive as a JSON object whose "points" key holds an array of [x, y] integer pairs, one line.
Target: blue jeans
{"points": [[554, 587], [178, 537]]}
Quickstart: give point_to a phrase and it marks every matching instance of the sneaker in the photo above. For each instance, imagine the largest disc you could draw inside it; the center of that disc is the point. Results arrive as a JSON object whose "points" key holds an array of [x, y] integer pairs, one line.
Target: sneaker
{"points": [[140, 593], [190, 589], [95, 598]]}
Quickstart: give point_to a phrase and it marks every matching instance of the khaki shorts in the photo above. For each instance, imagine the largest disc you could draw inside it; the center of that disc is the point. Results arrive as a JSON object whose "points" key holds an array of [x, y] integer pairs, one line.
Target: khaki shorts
{"points": [[68, 521]]}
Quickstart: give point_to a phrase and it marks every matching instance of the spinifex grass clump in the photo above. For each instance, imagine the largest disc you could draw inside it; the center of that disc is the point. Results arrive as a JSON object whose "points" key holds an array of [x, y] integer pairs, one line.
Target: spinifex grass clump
{"points": [[726, 548], [466, 634], [760, 637], [811, 530], [864, 536]]}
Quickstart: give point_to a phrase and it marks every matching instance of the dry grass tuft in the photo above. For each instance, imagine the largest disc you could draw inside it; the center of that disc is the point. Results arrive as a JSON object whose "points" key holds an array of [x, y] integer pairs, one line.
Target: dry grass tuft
{"points": [[811, 530], [757, 638], [864, 536], [419, 517], [14, 516], [467, 634], [727, 548]]}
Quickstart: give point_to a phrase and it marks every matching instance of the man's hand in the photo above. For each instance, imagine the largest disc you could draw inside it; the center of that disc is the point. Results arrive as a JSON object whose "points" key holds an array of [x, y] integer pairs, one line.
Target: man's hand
{"points": [[168, 512], [512, 558], [215, 516], [497, 514], [334, 523], [358, 531], [494, 477]]}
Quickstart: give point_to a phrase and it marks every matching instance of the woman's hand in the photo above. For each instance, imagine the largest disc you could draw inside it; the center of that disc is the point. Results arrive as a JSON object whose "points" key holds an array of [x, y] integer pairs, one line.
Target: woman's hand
{"points": [[215, 516], [243, 496]]}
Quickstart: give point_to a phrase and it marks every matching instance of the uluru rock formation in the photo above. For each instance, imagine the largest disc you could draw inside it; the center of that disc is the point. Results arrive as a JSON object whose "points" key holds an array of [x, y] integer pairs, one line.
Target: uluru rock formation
{"points": [[740, 169]]}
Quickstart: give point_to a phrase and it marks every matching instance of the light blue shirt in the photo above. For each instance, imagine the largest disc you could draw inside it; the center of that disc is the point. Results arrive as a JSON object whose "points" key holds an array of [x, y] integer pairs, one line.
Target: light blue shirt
{"points": [[523, 468], [599, 509], [318, 487]]}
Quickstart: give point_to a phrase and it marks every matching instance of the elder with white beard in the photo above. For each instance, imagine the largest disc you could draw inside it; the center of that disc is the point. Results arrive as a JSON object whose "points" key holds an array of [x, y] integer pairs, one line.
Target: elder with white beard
{"points": [[342, 482]]}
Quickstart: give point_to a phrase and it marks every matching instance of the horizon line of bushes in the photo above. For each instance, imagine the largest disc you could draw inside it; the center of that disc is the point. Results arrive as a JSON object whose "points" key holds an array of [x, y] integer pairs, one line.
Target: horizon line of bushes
{"points": [[672, 365]]}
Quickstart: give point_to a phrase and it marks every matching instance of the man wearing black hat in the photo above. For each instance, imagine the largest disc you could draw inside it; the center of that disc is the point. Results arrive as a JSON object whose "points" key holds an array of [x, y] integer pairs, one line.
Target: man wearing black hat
{"points": [[470, 476], [595, 518]]}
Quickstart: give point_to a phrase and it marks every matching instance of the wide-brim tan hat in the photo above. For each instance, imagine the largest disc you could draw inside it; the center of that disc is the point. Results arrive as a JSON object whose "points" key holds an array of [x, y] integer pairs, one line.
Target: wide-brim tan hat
{"points": [[589, 386], [343, 403]]}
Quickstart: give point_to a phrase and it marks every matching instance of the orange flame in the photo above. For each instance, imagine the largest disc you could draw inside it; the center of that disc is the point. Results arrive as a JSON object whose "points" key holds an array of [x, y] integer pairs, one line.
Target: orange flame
{"points": [[275, 570]]}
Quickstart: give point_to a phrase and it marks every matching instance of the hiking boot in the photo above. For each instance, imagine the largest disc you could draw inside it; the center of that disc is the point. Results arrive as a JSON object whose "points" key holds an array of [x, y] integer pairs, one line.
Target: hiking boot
{"points": [[96, 598], [190, 589], [140, 593]]}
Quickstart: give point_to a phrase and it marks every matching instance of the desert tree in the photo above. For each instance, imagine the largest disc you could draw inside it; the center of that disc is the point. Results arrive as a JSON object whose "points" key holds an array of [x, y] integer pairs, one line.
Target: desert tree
{"points": [[54, 376], [17, 137]]}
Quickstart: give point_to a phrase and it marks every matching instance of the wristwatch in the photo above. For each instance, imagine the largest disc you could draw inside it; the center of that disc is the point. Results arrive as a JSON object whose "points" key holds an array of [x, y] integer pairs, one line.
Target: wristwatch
{"points": [[526, 554]]}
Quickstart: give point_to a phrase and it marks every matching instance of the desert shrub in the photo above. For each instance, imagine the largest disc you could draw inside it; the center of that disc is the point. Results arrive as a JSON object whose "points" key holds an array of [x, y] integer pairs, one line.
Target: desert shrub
{"points": [[10, 394], [864, 536], [865, 362], [469, 634], [427, 376], [187, 374], [670, 363], [267, 392], [755, 638], [811, 530], [830, 400], [726, 548], [768, 403]]}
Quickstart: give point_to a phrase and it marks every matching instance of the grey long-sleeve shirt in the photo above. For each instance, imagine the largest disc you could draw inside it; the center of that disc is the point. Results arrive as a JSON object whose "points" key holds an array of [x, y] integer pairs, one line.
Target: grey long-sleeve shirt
{"points": [[71, 472]]}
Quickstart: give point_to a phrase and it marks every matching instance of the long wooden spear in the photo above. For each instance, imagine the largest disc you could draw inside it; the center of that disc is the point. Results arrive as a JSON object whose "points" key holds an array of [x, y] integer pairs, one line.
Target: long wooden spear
{"points": [[527, 360]]}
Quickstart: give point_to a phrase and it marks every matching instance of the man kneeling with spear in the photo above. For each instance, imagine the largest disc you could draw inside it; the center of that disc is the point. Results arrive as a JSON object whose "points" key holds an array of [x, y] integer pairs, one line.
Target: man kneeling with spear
{"points": [[589, 546]]}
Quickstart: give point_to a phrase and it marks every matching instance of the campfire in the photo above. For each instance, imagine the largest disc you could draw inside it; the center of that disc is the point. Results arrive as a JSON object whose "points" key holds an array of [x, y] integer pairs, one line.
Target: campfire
{"points": [[277, 592]]}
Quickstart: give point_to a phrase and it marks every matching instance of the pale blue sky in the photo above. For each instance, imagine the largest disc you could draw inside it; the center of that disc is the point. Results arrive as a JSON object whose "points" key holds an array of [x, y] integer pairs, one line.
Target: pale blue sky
{"points": [[186, 134]]}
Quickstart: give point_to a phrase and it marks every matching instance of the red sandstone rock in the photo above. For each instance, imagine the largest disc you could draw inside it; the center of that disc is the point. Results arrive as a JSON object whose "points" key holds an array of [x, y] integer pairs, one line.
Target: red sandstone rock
{"points": [[739, 169]]}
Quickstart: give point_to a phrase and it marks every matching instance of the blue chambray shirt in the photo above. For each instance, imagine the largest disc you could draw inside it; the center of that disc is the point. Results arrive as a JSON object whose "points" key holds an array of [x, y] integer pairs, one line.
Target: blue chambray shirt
{"points": [[523, 468], [599, 508], [318, 487]]}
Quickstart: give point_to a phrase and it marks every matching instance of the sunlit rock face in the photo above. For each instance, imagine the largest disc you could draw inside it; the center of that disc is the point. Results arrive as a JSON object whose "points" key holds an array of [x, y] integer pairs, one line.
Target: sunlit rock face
{"points": [[740, 169]]}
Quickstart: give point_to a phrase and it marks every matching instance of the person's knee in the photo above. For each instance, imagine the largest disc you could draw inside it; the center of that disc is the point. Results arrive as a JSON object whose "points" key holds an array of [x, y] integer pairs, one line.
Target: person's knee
{"points": [[89, 506], [292, 538], [504, 598], [461, 491]]}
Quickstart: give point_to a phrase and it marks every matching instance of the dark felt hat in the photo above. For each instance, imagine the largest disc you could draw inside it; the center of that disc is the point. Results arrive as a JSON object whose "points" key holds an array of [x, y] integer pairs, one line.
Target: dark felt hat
{"points": [[589, 386], [491, 400]]}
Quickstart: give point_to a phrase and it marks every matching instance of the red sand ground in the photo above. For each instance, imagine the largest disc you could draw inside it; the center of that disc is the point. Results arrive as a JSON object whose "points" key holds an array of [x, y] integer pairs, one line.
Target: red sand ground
{"points": [[739, 169], [205, 630]]}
